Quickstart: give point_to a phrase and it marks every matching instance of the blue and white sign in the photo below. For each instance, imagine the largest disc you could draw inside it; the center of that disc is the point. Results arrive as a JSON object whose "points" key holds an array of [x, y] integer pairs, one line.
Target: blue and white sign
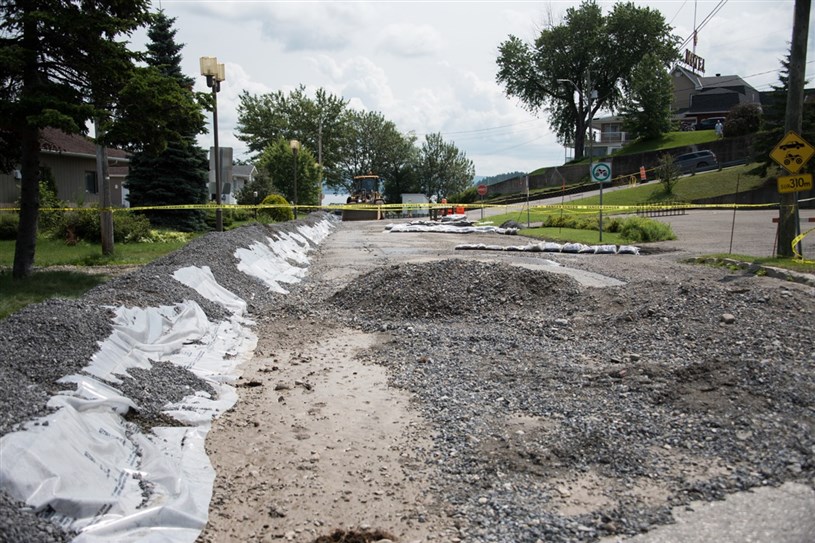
{"points": [[601, 172]]}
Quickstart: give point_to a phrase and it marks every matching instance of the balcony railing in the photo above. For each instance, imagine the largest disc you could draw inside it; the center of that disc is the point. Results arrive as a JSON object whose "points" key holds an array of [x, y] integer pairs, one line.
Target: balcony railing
{"points": [[613, 137]]}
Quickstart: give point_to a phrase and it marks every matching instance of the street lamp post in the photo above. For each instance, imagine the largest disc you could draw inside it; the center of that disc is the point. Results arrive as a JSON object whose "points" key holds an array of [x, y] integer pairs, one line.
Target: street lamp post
{"points": [[215, 73], [295, 147]]}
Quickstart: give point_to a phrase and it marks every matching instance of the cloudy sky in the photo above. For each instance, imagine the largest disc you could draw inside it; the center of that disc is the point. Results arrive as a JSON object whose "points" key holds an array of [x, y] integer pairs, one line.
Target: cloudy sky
{"points": [[429, 66]]}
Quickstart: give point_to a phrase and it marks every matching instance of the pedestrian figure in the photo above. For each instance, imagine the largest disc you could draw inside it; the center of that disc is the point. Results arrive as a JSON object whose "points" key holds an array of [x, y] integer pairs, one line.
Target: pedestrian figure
{"points": [[719, 129]]}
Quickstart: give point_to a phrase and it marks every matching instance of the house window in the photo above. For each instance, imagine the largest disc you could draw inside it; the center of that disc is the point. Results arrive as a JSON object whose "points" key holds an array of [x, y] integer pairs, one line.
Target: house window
{"points": [[91, 185]]}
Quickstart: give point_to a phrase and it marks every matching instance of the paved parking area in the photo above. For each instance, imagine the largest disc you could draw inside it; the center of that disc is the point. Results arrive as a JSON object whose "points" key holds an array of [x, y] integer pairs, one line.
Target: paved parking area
{"points": [[745, 232]]}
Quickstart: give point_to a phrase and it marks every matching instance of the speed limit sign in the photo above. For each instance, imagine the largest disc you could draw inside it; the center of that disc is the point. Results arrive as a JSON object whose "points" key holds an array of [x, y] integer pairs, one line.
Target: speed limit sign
{"points": [[601, 172]]}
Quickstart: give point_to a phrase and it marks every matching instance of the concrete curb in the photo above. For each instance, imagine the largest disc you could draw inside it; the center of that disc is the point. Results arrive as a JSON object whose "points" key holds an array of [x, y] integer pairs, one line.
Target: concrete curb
{"points": [[758, 269]]}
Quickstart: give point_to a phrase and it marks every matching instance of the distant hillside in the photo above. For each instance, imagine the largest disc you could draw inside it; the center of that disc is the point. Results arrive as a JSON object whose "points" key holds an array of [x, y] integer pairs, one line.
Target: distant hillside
{"points": [[500, 177]]}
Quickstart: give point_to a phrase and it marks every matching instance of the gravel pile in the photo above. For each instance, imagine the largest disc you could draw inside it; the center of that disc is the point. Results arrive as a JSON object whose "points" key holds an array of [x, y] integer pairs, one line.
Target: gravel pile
{"points": [[630, 400], [424, 290], [561, 413]]}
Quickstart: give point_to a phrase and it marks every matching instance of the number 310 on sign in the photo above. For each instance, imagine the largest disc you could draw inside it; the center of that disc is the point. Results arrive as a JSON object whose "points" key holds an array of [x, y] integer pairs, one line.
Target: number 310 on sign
{"points": [[795, 183]]}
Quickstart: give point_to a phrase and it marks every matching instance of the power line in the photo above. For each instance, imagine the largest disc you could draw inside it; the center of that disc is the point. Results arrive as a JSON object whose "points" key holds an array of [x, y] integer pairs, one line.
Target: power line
{"points": [[479, 130], [677, 12], [704, 22]]}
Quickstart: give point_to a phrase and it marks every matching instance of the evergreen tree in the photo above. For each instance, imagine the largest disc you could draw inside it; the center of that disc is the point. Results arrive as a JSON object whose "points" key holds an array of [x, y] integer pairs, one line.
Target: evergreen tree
{"points": [[176, 174], [54, 59]]}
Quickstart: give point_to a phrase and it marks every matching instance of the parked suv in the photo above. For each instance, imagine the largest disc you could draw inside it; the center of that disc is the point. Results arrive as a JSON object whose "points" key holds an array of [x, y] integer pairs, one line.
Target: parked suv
{"points": [[698, 160]]}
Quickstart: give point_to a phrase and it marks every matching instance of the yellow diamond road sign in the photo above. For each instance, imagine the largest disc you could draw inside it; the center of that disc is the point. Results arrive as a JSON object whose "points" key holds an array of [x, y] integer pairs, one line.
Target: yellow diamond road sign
{"points": [[792, 152]]}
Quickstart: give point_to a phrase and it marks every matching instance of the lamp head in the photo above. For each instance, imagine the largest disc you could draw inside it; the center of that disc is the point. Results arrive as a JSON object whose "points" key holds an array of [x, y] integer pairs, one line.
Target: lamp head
{"points": [[295, 145], [213, 70], [209, 66]]}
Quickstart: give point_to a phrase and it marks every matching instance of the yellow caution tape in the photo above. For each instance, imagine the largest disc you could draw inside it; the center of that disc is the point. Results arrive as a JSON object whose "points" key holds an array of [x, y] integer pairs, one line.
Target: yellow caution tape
{"points": [[795, 243]]}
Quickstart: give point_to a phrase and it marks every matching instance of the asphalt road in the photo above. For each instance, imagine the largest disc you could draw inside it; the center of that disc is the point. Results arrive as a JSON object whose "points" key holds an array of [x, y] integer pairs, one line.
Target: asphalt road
{"points": [[745, 232]]}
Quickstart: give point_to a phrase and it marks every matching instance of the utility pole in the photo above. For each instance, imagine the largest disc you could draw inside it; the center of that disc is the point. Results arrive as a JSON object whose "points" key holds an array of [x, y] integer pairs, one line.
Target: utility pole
{"points": [[103, 179], [788, 222]]}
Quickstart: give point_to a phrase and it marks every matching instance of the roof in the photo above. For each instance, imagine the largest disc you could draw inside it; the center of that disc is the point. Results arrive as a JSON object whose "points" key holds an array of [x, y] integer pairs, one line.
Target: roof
{"points": [[243, 170], [707, 83], [725, 81], [53, 140]]}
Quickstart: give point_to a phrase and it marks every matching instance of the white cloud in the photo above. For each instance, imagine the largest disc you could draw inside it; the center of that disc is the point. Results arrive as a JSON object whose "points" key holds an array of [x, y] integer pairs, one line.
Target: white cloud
{"points": [[411, 40], [430, 66], [359, 80]]}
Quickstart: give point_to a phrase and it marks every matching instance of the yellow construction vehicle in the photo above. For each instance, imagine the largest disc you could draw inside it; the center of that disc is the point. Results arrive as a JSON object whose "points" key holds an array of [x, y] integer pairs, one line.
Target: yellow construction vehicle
{"points": [[365, 202]]}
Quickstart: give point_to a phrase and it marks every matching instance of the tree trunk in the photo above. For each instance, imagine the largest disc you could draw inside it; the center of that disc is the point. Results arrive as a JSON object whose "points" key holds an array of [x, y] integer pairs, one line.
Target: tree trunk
{"points": [[29, 203], [29, 164]]}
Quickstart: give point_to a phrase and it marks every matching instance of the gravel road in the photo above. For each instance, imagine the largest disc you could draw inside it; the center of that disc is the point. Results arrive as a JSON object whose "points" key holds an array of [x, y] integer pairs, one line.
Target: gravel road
{"points": [[407, 391]]}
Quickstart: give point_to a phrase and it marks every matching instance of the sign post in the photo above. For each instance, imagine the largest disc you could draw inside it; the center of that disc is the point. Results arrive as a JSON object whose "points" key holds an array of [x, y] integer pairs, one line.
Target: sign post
{"points": [[792, 153], [601, 173], [482, 191]]}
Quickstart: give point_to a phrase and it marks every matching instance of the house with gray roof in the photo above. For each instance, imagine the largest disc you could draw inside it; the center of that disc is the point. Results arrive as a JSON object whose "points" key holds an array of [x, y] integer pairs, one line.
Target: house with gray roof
{"points": [[698, 97], [71, 160]]}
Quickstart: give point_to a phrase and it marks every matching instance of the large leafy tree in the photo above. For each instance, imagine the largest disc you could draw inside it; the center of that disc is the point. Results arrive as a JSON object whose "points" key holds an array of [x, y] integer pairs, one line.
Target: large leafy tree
{"points": [[175, 172], [591, 51], [647, 108], [58, 62], [372, 144], [319, 123], [443, 168], [276, 164]]}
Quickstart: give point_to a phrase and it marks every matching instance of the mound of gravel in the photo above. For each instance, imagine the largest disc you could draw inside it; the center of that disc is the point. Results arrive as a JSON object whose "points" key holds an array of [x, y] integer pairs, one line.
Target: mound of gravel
{"points": [[452, 287], [687, 383]]}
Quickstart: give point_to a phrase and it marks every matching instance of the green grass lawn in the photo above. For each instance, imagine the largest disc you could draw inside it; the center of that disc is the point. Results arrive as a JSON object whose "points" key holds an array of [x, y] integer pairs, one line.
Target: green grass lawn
{"points": [[669, 141], [561, 235], [687, 189], [45, 283], [51, 252]]}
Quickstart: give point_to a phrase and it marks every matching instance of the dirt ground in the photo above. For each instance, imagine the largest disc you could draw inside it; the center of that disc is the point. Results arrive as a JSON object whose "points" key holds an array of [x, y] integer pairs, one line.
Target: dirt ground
{"points": [[320, 448], [317, 443]]}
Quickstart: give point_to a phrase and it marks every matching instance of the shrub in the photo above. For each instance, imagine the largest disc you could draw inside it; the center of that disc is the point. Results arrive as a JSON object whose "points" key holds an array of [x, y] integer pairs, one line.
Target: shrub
{"points": [[742, 119], [636, 229], [48, 220], [572, 221], [9, 223], [227, 217], [130, 228], [667, 172], [282, 211], [84, 224], [641, 229], [78, 224], [468, 196]]}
